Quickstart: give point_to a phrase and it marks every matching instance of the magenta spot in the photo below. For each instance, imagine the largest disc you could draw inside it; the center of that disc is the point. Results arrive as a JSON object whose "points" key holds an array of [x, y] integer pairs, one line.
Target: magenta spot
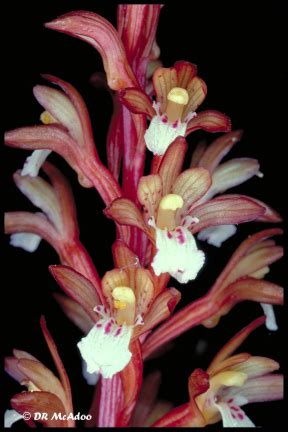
{"points": [[233, 415], [108, 326], [98, 308], [175, 124], [180, 271], [164, 119], [169, 234], [234, 408], [99, 325], [229, 401], [119, 330], [240, 416]]}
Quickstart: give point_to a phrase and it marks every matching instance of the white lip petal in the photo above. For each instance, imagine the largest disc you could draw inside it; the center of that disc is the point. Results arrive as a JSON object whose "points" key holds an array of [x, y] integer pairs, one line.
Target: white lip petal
{"points": [[233, 416], [216, 235], [27, 241], [91, 378], [11, 417], [271, 323], [105, 349], [177, 254], [34, 162]]}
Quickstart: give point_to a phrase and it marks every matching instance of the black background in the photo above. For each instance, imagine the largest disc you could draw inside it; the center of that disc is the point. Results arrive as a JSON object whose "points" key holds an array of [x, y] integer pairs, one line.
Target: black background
{"points": [[240, 54]]}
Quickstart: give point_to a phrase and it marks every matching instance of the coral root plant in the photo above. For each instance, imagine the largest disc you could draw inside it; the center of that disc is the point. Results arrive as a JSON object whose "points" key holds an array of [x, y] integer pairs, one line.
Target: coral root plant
{"points": [[170, 208]]}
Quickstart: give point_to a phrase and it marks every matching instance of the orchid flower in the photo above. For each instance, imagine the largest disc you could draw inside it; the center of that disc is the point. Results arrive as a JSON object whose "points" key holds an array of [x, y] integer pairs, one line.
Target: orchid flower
{"points": [[70, 135], [129, 310], [231, 382], [45, 392], [240, 280], [175, 209], [179, 92], [57, 223], [225, 176]]}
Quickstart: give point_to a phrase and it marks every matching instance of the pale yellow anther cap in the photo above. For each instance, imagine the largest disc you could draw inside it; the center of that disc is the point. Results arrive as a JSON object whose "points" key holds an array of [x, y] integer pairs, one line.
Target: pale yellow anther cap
{"points": [[171, 202], [178, 95]]}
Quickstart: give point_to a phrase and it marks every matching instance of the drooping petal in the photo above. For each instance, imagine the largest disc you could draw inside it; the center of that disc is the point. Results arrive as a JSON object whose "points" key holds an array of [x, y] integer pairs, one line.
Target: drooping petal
{"points": [[36, 223], [137, 101], [52, 137], [270, 214], [225, 210], [77, 287], [27, 241], [150, 193], [99, 33], [198, 153], [210, 121], [218, 149], [171, 164], [216, 235]]}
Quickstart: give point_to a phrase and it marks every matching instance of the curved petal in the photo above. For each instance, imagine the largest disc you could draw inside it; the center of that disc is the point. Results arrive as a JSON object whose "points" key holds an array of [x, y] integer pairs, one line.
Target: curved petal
{"points": [[137, 101], [164, 79], [171, 164], [216, 151], [224, 211], [197, 91], [150, 193], [99, 33], [144, 290], [43, 402], [192, 185], [209, 121], [125, 212], [77, 287], [186, 71]]}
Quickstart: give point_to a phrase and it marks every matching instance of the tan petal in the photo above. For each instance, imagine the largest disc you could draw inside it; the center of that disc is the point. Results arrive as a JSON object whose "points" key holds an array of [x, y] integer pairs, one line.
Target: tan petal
{"points": [[113, 279], [191, 185], [43, 402], [42, 377], [144, 290], [78, 287], [74, 312], [171, 164], [197, 90], [137, 102], [218, 149], [125, 212], [229, 363], [125, 259], [198, 153], [256, 366], [164, 79], [161, 308], [185, 72], [150, 193], [209, 121], [234, 343]]}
